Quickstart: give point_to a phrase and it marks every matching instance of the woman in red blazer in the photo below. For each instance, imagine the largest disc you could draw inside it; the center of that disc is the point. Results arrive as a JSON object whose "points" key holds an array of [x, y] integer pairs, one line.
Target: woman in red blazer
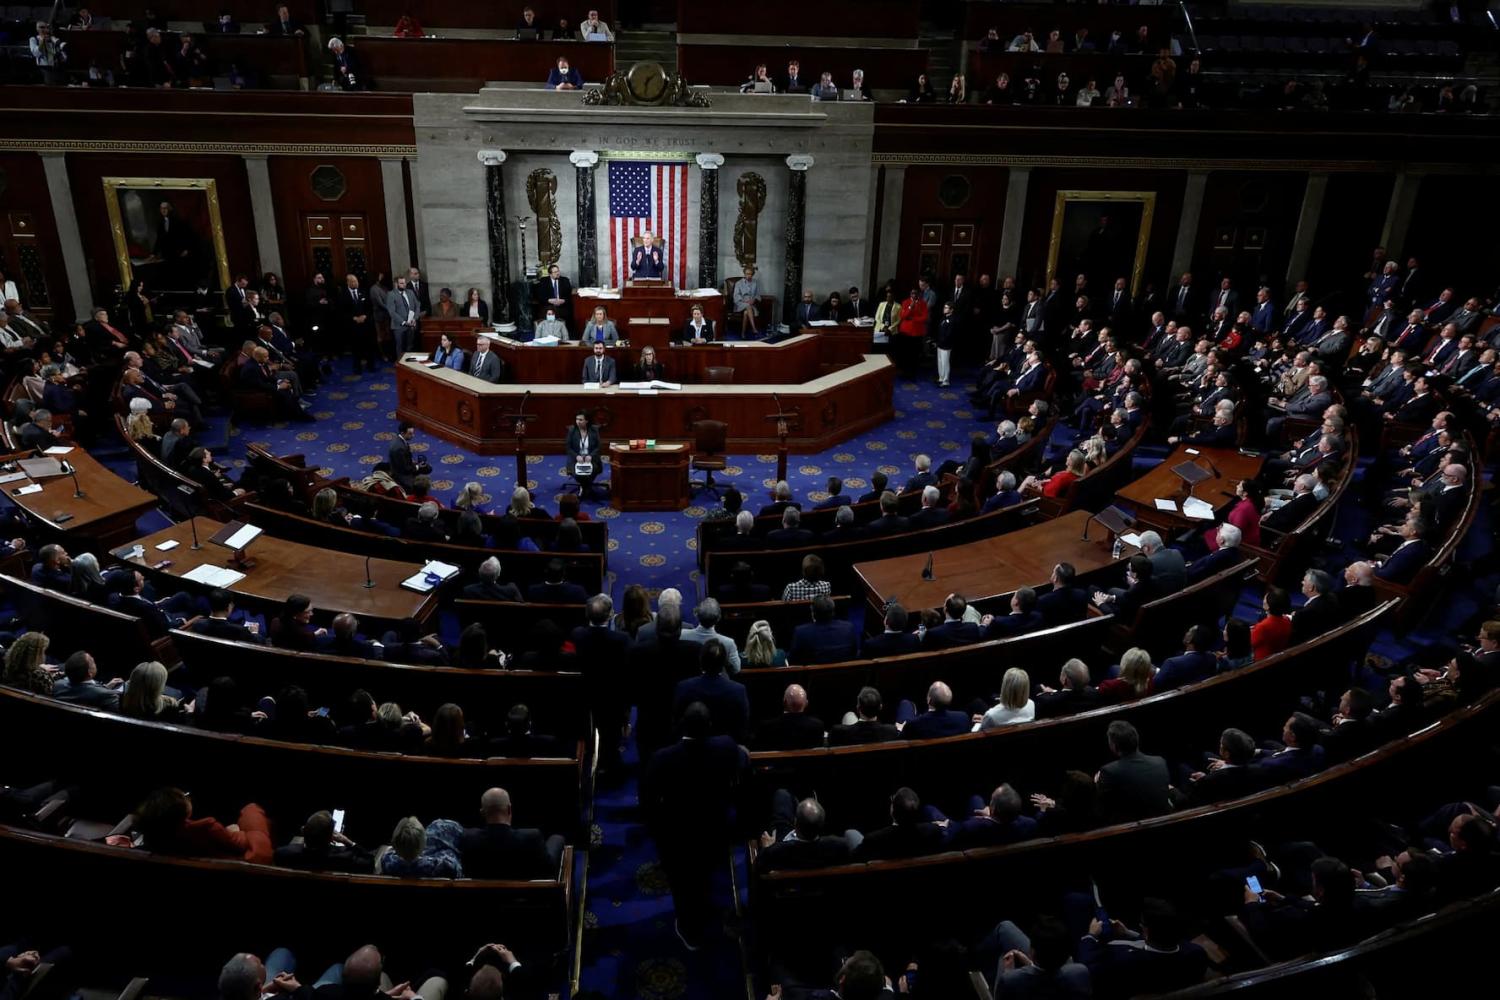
{"points": [[1273, 633], [907, 347]]}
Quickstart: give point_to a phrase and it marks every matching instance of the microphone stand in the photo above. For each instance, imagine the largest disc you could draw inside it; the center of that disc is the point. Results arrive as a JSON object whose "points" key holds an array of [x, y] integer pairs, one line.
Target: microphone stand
{"points": [[927, 569], [71, 470], [369, 583], [187, 491]]}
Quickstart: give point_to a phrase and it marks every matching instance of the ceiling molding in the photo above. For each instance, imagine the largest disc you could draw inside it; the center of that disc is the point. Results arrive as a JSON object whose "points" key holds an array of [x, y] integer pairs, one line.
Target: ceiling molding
{"points": [[1150, 163], [157, 147]]}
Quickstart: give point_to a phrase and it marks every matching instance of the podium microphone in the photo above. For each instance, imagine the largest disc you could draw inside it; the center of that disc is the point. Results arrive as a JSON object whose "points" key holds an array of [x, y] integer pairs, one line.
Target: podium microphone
{"points": [[68, 467], [187, 491], [927, 569], [369, 583]]}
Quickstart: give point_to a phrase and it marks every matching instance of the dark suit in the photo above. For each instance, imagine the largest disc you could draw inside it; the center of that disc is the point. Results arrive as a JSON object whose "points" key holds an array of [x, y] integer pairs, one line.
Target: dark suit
{"points": [[1067, 702], [1290, 514], [951, 633], [599, 369], [1168, 571], [889, 524], [687, 333], [90, 694], [790, 538], [1187, 668], [1319, 615], [499, 851], [1063, 605], [556, 593], [564, 290], [1402, 565], [934, 723], [892, 644], [1219, 559], [823, 642], [906, 841], [1133, 787], [727, 703], [1014, 624], [863, 731], [221, 628], [403, 468], [929, 517], [493, 591], [486, 365], [789, 731], [1229, 782]]}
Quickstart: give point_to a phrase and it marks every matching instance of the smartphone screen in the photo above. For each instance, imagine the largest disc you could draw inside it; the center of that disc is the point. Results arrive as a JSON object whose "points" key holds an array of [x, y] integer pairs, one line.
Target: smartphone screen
{"points": [[1253, 884], [338, 821]]}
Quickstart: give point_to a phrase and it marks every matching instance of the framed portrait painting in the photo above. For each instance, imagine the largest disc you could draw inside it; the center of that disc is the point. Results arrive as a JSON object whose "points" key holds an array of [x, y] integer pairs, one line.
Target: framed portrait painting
{"points": [[1102, 234], [168, 232]]}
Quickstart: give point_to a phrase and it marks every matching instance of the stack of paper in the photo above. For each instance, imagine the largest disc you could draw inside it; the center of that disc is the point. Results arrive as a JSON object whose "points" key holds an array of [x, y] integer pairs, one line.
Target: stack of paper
{"points": [[429, 576], [58, 449], [1197, 509], [1131, 538], [823, 322], [653, 384], [1166, 505], [214, 576]]}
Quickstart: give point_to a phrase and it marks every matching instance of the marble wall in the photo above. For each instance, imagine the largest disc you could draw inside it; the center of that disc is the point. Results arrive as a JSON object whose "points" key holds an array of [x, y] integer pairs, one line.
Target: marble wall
{"points": [[538, 128]]}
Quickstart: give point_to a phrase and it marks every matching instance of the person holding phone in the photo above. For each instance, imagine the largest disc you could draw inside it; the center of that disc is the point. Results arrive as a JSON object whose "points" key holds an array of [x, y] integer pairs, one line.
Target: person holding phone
{"points": [[325, 848]]}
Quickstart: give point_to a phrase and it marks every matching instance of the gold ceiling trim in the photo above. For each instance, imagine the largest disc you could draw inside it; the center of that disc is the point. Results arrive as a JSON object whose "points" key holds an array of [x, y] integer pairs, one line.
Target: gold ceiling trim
{"points": [[232, 148], [1127, 162]]}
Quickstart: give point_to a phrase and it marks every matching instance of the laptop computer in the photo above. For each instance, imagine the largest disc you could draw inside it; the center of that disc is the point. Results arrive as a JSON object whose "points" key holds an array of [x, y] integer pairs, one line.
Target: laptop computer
{"points": [[527, 35], [761, 87]]}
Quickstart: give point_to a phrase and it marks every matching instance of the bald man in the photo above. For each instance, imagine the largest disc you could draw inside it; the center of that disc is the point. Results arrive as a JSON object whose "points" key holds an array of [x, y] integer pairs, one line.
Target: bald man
{"points": [[362, 976], [793, 729], [499, 975], [246, 977], [940, 719], [499, 850]]}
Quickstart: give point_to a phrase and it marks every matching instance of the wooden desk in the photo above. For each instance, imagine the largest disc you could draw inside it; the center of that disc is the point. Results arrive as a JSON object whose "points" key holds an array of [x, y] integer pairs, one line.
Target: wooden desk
{"points": [[650, 302], [1218, 490], [457, 407], [106, 515], [988, 567], [787, 362], [334, 580], [649, 478]]}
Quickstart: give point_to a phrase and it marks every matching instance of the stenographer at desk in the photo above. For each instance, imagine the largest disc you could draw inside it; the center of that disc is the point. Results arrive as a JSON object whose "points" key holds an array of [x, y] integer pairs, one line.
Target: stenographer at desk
{"points": [[584, 445], [599, 367]]}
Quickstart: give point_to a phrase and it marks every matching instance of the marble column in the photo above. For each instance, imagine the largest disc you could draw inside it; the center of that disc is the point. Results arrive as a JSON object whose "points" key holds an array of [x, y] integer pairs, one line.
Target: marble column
{"points": [[263, 208], [1398, 215], [494, 203], [397, 227], [55, 167], [708, 219], [796, 234], [892, 195], [584, 161], [1307, 228], [1017, 183], [1187, 224]]}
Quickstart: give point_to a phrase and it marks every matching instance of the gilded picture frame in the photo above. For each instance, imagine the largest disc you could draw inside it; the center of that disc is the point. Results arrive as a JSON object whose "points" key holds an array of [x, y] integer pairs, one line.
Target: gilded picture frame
{"points": [[1125, 210], [177, 248]]}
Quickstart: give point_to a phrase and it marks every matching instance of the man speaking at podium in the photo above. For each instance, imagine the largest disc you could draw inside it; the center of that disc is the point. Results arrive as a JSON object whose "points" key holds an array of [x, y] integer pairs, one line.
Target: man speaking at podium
{"points": [[646, 260]]}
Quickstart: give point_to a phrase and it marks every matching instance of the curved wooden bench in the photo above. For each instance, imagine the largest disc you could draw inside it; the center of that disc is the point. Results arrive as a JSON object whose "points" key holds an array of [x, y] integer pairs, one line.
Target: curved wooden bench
{"points": [[1422, 592], [1096, 490], [292, 779], [117, 641]]}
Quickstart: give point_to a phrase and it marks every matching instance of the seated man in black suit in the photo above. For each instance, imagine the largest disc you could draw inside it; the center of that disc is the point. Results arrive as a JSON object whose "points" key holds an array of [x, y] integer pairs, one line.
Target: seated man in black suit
{"points": [[344, 640], [923, 477], [1138, 590], [1064, 603], [1023, 617], [844, 529], [53, 568], [932, 513], [742, 587], [796, 838], [907, 836], [863, 725], [1321, 613], [323, 849], [1295, 510], [889, 522], [824, 639], [1225, 776], [406, 644], [218, 625], [955, 630], [489, 588], [555, 587], [159, 616], [499, 851], [78, 685], [782, 493], [425, 527], [793, 729], [1158, 959], [520, 741], [696, 330], [791, 534], [895, 639], [1073, 693], [1134, 785], [836, 496], [37, 434], [877, 487], [937, 720]]}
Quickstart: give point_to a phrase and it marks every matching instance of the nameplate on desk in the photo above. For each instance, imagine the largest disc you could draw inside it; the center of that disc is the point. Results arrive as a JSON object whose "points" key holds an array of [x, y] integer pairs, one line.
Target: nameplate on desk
{"points": [[1166, 505], [214, 576], [11, 477], [22, 491], [649, 321], [591, 385]]}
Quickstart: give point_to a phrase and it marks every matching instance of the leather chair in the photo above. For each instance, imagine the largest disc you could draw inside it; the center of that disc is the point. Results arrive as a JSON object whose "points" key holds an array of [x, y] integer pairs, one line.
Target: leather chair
{"points": [[709, 441], [718, 375]]}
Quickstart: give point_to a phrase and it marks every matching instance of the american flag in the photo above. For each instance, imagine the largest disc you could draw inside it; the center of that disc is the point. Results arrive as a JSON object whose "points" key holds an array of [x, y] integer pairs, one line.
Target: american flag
{"points": [[642, 196]]}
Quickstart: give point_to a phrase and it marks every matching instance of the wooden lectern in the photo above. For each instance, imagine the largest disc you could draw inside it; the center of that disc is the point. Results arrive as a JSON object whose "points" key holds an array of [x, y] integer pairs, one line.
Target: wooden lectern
{"points": [[785, 419], [518, 423]]}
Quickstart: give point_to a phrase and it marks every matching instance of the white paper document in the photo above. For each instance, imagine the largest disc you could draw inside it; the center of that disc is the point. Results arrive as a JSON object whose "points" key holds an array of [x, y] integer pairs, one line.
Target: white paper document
{"points": [[28, 490], [214, 576], [168, 545], [822, 322], [653, 384], [1190, 451], [203, 363], [243, 537], [422, 580], [445, 571], [11, 477], [1198, 509], [58, 449], [1131, 538], [1166, 505]]}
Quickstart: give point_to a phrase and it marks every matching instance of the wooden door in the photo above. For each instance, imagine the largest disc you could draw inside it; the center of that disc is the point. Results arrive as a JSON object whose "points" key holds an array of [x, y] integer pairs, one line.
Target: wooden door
{"points": [[336, 245], [945, 249]]}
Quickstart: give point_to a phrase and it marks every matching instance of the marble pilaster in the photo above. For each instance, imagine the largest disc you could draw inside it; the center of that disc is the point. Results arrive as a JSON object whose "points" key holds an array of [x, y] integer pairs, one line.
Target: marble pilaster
{"points": [[708, 219], [796, 234], [494, 202], [584, 161]]}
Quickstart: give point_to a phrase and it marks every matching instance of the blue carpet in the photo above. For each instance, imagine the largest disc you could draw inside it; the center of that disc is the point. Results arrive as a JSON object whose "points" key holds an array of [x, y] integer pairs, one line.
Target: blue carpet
{"points": [[629, 948]]}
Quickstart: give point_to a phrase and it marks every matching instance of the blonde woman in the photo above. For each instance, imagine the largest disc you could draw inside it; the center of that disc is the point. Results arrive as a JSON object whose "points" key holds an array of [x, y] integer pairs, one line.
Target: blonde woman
{"points": [[521, 505], [1134, 682], [1015, 702], [138, 425], [761, 649], [470, 498], [145, 696], [25, 664]]}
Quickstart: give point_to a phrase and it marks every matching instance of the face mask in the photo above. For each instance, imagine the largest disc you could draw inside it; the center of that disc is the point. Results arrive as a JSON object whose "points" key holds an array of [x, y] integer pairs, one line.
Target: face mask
{"points": [[550, 317]]}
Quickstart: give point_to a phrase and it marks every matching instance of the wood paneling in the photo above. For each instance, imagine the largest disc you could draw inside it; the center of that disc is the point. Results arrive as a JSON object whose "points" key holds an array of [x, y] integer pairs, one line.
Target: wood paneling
{"points": [[726, 65], [26, 204], [86, 172], [869, 19], [922, 202], [466, 64], [1243, 208], [364, 197], [1041, 195], [1445, 203], [1349, 226], [131, 117], [244, 11]]}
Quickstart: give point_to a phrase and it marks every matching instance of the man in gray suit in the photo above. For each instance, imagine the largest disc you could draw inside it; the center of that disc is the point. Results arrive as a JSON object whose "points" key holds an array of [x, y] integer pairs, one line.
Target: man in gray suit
{"points": [[599, 367], [1134, 785], [1168, 568], [405, 310], [485, 364], [78, 686]]}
